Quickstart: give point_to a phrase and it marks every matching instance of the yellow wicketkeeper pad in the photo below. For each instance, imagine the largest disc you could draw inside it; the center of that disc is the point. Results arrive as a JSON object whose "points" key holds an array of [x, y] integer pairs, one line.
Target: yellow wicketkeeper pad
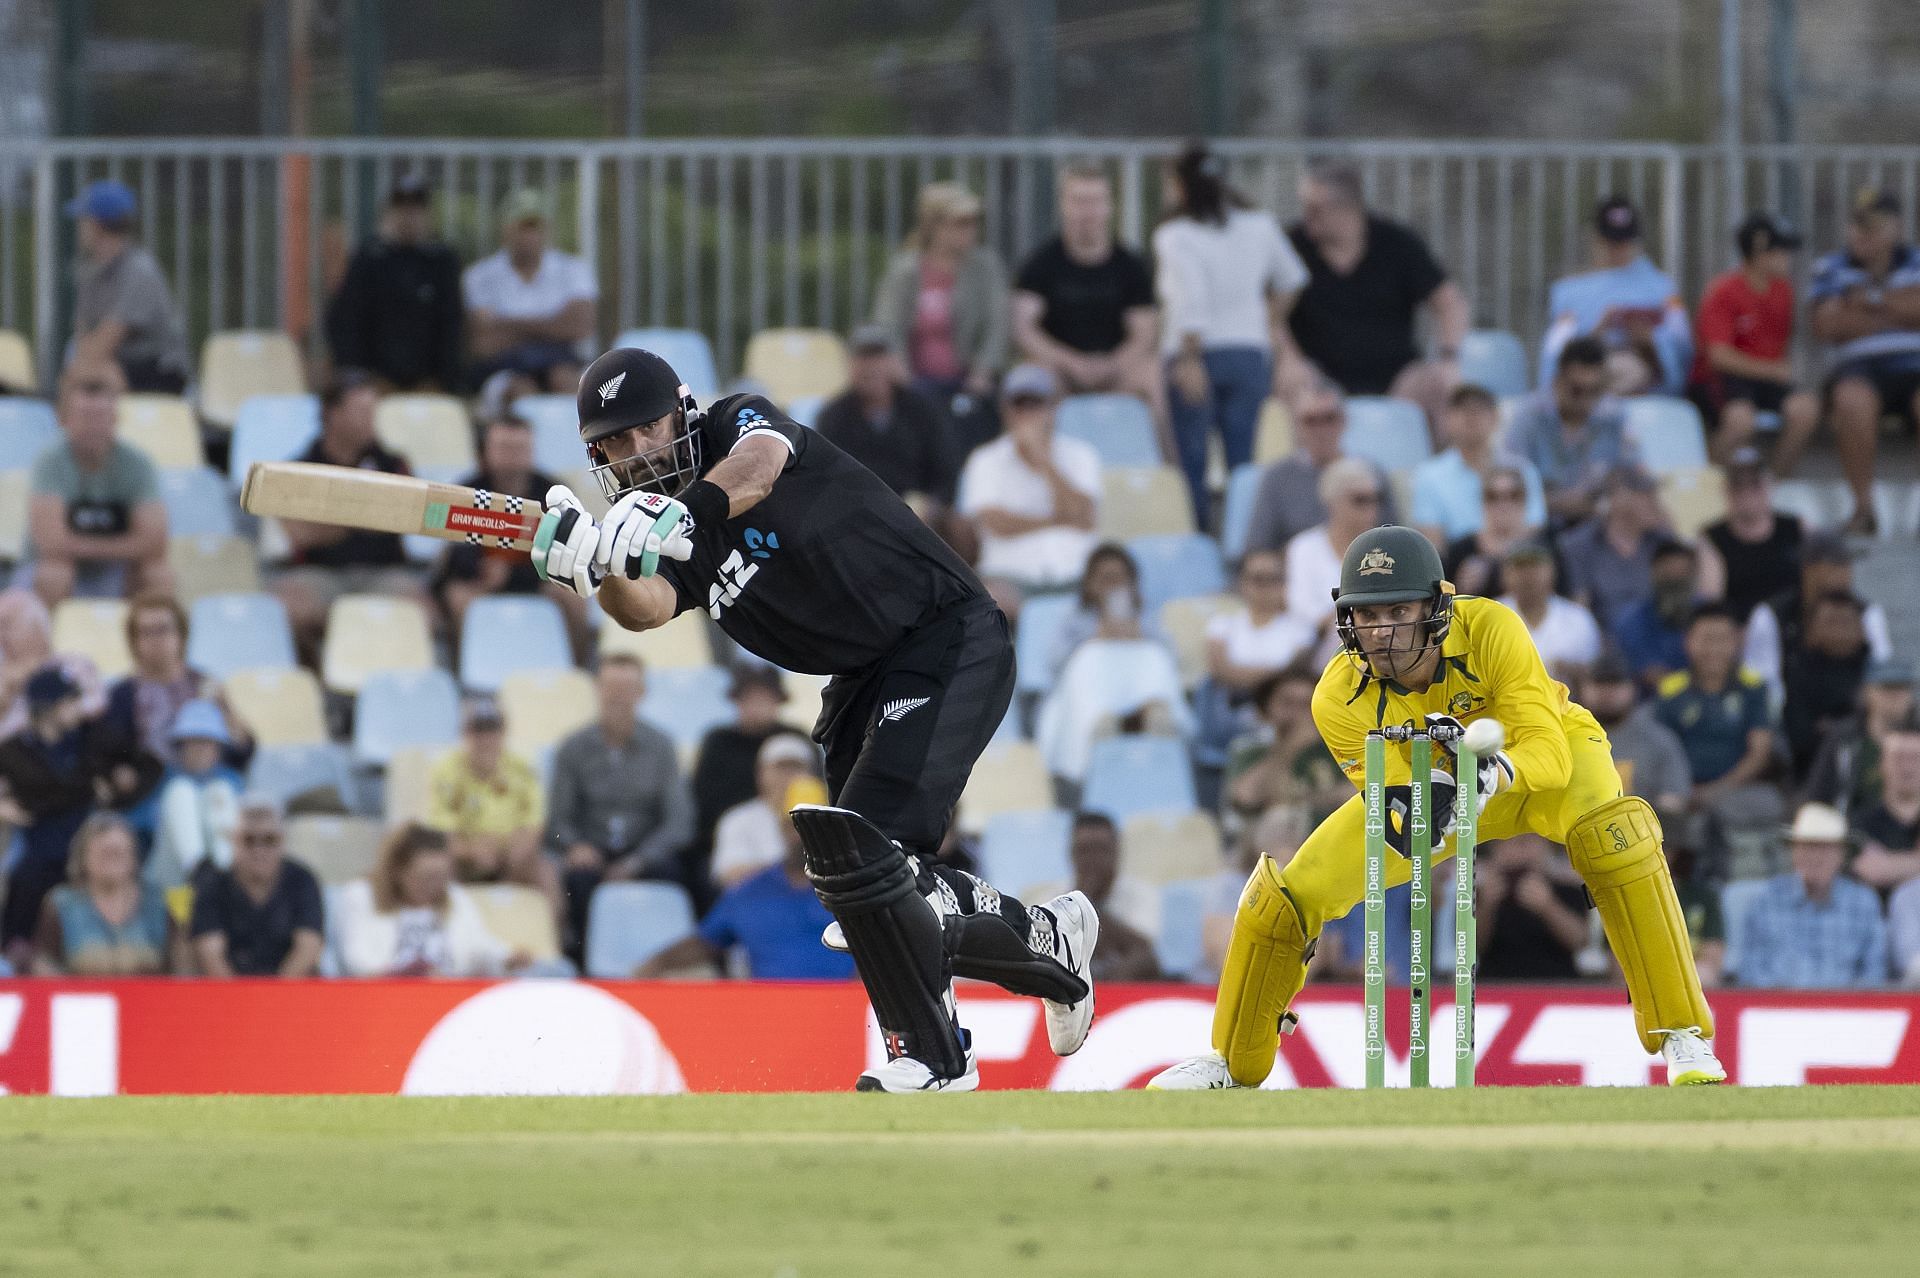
{"points": [[1265, 967], [1616, 849]]}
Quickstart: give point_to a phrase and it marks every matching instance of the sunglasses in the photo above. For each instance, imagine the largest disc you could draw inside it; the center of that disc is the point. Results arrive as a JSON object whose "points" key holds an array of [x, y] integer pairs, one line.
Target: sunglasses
{"points": [[1024, 402], [258, 840], [1505, 495]]}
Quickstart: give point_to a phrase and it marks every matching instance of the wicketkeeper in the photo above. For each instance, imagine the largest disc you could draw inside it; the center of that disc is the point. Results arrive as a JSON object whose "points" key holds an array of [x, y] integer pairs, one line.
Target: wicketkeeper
{"points": [[1413, 654]]}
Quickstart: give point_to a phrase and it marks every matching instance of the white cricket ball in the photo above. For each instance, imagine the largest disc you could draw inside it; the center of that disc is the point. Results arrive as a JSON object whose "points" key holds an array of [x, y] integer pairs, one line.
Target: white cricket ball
{"points": [[1484, 736]]}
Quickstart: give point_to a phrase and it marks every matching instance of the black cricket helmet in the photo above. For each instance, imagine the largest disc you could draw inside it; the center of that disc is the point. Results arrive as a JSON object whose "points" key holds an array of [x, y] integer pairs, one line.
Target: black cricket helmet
{"points": [[1388, 565], [629, 387]]}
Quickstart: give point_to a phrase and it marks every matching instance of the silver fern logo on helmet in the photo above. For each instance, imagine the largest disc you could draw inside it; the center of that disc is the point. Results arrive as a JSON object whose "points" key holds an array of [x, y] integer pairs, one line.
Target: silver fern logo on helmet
{"points": [[611, 387]]}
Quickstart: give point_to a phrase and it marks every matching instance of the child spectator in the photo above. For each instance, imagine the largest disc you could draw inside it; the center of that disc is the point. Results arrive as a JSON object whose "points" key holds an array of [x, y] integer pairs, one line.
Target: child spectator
{"points": [[199, 801], [1109, 606], [1742, 366]]}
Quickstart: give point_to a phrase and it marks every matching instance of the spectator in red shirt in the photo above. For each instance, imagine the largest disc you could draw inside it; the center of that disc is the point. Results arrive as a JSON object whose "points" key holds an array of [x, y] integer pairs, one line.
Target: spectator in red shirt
{"points": [[1744, 330]]}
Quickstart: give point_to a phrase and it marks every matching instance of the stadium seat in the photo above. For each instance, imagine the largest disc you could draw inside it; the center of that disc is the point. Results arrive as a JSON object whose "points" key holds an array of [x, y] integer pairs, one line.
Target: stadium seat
{"points": [[685, 703], [1177, 566], [806, 409], [1243, 487], [271, 428], [1180, 946], [207, 564], [1119, 427], [805, 692], [1033, 640], [1185, 621], [629, 923], [1736, 902], [404, 709], [1130, 775], [239, 632], [519, 916], [681, 644], [1162, 847], [338, 849], [284, 773], [198, 503], [1390, 433], [793, 363], [280, 707], [16, 362], [504, 633], [1495, 359], [688, 350], [1669, 431], [95, 629], [1006, 778], [27, 429], [542, 706], [556, 432], [1139, 501], [366, 633], [431, 431], [163, 427], [409, 785], [1023, 850], [1694, 498], [236, 366], [1273, 435], [13, 515]]}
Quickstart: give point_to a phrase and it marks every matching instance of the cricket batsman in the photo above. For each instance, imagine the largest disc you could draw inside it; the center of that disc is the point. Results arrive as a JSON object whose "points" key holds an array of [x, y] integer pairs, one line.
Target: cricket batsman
{"points": [[807, 560], [1415, 654]]}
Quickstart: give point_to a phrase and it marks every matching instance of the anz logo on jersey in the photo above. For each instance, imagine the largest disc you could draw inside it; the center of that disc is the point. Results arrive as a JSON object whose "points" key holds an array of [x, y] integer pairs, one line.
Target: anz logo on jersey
{"points": [[736, 572]]}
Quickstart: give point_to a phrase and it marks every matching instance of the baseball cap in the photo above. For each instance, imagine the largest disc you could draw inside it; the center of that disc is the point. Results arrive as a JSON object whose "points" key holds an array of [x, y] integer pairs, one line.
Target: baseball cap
{"points": [[1763, 231], [785, 747], [756, 676], [409, 188], [1870, 201], [1890, 672], [200, 720], [49, 687], [1616, 220], [1826, 548], [523, 205], [482, 714], [104, 201], [1030, 381], [869, 338]]}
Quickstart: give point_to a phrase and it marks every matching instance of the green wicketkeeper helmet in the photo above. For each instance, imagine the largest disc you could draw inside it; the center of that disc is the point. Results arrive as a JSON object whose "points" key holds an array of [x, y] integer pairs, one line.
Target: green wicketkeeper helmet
{"points": [[1388, 565]]}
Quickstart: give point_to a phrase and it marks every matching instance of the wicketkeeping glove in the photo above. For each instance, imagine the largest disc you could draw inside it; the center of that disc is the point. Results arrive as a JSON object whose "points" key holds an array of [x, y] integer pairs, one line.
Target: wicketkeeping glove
{"points": [[564, 543], [639, 529], [1494, 771]]}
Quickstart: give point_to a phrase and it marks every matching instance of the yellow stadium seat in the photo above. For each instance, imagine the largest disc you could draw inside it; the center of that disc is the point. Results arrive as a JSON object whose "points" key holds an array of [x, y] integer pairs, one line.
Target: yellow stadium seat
{"points": [[1008, 778], [1138, 501], [587, 489], [431, 431], [542, 706], [16, 362], [239, 364], [280, 707], [1273, 437], [680, 644], [1185, 621], [795, 363], [95, 629], [520, 917], [804, 691], [366, 633], [338, 849], [1159, 848], [211, 564], [162, 427], [410, 784], [13, 515], [1694, 498]]}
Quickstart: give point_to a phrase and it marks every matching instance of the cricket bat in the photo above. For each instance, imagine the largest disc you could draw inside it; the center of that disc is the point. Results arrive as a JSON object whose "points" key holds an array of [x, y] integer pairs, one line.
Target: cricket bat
{"points": [[380, 502]]}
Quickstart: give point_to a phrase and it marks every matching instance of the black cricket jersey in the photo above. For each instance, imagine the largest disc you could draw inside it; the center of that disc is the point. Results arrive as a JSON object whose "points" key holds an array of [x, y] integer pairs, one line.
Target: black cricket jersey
{"points": [[827, 574]]}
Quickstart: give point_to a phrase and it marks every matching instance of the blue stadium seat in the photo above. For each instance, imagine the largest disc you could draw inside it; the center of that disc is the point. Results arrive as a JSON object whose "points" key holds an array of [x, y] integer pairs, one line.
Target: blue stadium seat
{"points": [[684, 703], [1495, 359], [1243, 485], [1390, 433], [556, 432], [1024, 850], [1129, 775], [1120, 427], [629, 923], [1669, 431], [27, 427], [198, 503], [1177, 566], [271, 428], [1040, 621], [502, 634], [687, 350], [239, 632], [1183, 909], [403, 709], [284, 771]]}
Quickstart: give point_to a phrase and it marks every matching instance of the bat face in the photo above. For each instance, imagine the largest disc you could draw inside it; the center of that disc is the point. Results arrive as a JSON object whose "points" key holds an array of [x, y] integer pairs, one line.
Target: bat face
{"points": [[380, 502]]}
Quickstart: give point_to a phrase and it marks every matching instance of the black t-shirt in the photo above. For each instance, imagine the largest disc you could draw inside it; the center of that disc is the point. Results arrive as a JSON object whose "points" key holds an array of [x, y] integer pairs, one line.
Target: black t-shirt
{"points": [[1358, 327], [462, 562], [1877, 825], [1086, 305], [831, 570], [360, 548], [258, 935], [723, 774], [1523, 949], [1821, 692], [1758, 570], [911, 449]]}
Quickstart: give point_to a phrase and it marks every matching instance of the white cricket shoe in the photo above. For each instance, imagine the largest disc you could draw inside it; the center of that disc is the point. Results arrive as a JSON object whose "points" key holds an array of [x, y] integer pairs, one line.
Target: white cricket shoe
{"points": [[1690, 1059], [1076, 932], [1206, 1073], [905, 1074]]}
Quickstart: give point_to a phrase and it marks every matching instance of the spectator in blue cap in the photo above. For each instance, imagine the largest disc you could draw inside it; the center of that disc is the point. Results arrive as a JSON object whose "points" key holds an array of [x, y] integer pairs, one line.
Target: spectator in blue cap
{"points": [[200, 802], [124, 310]]}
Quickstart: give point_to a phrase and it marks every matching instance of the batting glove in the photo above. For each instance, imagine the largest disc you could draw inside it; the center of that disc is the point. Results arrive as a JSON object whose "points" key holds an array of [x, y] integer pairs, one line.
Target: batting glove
{"points": [[564, 543], [639, 529]]}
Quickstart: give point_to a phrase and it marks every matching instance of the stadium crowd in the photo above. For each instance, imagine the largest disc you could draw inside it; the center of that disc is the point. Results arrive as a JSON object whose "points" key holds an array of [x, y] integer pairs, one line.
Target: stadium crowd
{"points": [[228, 748]]}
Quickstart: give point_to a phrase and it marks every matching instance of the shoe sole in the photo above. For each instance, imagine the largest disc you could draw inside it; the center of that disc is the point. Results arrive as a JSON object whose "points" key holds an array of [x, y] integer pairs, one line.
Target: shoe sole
{"points": [[1085, 1026], [966, 1083], [1696, 1078]]}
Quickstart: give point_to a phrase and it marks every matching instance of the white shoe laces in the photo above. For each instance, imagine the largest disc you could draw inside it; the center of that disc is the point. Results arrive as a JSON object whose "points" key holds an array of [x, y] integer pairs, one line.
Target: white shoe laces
{"points": [[1690, 1037]]}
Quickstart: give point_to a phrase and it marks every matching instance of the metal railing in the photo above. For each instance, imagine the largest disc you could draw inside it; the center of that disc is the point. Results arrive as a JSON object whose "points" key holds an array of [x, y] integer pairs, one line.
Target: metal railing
{"points": [[733, 236]]}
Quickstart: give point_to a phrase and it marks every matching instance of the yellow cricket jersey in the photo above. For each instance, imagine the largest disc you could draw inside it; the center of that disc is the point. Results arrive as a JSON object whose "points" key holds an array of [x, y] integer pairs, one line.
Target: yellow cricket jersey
{"points": [[1489, 667]]}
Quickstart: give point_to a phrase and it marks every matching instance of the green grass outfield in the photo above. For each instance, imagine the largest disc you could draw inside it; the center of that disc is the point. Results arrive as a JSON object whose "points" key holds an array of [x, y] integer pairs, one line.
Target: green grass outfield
{"points": [[1541, 1181]]}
